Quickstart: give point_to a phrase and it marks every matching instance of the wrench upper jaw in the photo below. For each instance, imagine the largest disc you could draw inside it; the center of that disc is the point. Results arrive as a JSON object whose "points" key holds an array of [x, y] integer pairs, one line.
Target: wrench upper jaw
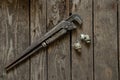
{"points": [[73, 21], [75, 18]]}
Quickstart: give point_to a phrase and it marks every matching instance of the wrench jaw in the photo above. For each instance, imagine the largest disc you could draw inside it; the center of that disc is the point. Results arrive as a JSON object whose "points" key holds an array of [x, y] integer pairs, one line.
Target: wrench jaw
{"points": [[75, 18], [73, 21], [69, 26]]}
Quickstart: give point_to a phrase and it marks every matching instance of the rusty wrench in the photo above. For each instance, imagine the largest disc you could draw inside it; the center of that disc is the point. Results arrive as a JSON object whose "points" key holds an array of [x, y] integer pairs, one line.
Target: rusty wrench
{"points": [[49, 37]]}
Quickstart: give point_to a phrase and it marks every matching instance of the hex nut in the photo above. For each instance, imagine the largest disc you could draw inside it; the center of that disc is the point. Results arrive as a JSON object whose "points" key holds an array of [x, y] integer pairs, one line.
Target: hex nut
{"points": [[77, 46], [85, 38], [82, 36]]}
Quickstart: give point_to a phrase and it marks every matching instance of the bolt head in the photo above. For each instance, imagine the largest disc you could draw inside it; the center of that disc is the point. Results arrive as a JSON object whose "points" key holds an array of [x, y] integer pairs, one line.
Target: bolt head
{"points": [[85, 38], [82, 36], [77, 46]]}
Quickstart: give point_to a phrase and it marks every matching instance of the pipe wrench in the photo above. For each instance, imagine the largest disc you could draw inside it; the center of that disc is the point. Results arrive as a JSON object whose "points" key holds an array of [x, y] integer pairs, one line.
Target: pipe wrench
{"points": [[60, 29]]}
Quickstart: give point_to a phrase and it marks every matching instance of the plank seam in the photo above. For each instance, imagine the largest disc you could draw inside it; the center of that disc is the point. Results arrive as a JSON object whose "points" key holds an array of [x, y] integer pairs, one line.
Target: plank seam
{"points": [[93, 38], [29, 37], [47, 47], [118, 36], [70, 13], [71, 55]]}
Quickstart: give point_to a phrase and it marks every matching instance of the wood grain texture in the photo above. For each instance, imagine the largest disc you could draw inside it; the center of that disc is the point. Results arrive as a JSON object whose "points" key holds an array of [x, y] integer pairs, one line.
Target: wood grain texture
{"points": [[3, 43], [82, 63], [14, 37], [38, 29], [59, 50], [105, 40]]}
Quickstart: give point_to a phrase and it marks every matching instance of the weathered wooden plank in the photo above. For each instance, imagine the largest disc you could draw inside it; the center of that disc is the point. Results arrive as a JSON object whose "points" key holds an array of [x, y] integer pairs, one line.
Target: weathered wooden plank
{"points": [[14, 36], [16, 18], [38, 28], [105, 37], [82, 63], [58, 51], [3, 43]]}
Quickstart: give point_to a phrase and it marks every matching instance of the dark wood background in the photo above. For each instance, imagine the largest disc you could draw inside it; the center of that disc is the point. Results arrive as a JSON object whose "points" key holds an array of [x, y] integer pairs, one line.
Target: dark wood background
{"points": [[24, 21]]}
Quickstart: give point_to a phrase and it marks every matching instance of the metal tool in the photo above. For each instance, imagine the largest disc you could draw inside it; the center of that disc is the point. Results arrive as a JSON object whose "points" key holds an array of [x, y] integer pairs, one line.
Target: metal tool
{"points": [[48, 38]]}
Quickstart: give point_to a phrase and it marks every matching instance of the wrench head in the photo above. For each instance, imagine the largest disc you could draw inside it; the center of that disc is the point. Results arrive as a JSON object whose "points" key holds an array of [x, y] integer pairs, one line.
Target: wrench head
{"points": [[75, 18]]}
